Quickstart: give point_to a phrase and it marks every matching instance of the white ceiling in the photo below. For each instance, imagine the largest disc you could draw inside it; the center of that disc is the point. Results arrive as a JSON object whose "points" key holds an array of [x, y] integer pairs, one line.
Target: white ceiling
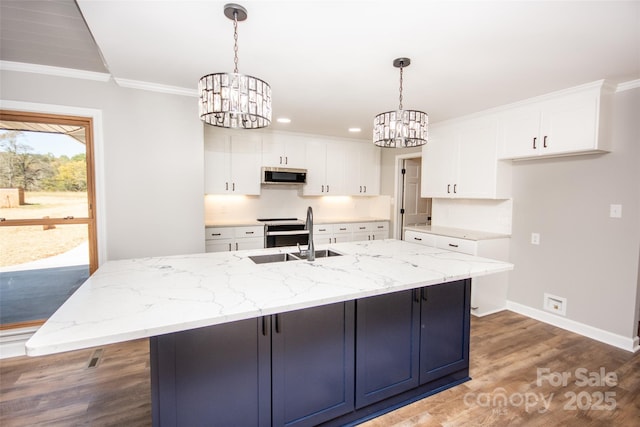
{"points": [[329, 63]]}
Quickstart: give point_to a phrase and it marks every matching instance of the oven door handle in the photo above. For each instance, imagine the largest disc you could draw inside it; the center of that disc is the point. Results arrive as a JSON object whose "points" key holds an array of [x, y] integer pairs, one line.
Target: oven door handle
{"points": [[287, 232]]}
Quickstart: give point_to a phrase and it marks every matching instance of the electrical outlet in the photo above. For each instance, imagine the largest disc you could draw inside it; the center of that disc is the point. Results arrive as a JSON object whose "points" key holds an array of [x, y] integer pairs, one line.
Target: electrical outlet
{"points": [[615, 211], [554, 304], [535, 238]]}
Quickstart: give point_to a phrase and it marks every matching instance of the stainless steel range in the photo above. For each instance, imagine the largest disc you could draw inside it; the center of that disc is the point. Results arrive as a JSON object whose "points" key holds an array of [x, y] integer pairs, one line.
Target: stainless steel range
{"points": [[284, 232]]}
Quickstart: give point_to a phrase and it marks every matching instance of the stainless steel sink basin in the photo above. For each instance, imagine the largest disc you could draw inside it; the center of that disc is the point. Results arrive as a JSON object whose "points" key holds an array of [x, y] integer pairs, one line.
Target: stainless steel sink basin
{"points": [[294, 256], [322, 253], [264, 259]]}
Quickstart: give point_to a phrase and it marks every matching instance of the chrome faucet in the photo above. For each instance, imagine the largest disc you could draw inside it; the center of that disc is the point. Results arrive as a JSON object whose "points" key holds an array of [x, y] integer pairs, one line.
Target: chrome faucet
{"points": [[311, 252]]}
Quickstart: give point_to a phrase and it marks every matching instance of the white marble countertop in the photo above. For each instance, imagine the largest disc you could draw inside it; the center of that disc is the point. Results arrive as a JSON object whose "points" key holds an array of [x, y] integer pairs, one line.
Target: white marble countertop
{"points": [[138, 298], [460, 233], [317, 220]]}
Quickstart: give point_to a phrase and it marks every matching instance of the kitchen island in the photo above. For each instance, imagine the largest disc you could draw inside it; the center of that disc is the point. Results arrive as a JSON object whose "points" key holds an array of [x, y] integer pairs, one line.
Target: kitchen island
{"points": [[283, 343]]}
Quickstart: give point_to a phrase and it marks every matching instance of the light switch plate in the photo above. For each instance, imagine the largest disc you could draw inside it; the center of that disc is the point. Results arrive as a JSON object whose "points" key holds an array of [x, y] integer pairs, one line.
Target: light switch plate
{"points": [[615, 211]]}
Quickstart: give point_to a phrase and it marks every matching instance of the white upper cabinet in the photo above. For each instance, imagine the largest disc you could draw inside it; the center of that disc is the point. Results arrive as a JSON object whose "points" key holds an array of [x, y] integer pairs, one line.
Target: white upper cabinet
{"points": [[460, 161], [232, 163], [281, 150], [574, 121], [325, 162], [362, 173]]}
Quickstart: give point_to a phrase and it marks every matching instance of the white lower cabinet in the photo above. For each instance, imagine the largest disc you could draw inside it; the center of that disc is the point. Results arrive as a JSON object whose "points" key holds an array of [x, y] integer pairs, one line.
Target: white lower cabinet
{"points": [[350, 232], [420, 238], [488, 294], [378, 230], [226, 239]]}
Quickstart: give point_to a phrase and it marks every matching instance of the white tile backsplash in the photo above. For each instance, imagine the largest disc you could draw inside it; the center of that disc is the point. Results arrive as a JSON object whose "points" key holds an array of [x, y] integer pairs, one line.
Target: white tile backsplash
{"points": [[286, 201], [474, 214]]}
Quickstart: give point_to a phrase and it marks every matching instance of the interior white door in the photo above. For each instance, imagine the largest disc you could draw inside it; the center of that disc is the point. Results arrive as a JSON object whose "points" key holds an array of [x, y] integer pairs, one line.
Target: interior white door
{"points": [[416, 208]]}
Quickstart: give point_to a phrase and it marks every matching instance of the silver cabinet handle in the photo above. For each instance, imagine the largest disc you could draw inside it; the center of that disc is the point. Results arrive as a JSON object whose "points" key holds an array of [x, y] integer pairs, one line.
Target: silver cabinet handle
{"points": [[544, 142], [327, 188], [233, 187], [448, 188], [280, 159], [229, 247], [365, 188], [322, 191], [226, 186], [418, 239], [452, 245], [236, 246], [534, 142], [286, 160], [216, 234], [455, 186]]}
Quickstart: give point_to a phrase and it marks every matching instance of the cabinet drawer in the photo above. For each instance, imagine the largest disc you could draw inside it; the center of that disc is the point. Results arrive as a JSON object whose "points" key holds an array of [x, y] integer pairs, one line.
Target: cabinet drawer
{"points": [[457, 245], [342, 228], [420, 238], [255, 231], [321, 229], [217, 233], [359, 227], [380, 226]]}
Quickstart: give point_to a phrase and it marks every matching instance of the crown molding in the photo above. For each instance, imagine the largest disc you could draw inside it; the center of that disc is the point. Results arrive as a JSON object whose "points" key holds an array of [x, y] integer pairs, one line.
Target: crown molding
{"points": [[156, 87], [54, 71], [632, 84]]}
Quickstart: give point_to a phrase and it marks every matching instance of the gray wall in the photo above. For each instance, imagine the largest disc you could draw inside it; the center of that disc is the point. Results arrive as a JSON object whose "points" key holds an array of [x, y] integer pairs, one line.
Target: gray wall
{"points": [[584, 256], [153, 161]]}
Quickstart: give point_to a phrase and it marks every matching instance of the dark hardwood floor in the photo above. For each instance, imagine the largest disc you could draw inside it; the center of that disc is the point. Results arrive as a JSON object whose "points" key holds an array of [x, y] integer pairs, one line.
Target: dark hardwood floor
{"points": [[524, 373]]}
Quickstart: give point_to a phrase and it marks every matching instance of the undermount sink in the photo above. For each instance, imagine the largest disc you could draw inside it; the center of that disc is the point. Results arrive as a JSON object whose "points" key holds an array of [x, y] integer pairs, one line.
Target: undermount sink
{"points": [[294, 256], [322, 253], [264, 259]]}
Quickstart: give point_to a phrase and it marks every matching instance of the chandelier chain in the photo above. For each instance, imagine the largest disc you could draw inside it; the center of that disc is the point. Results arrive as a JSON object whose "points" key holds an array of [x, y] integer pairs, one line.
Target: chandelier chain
{"points": [[401, 68], [235, 41]]}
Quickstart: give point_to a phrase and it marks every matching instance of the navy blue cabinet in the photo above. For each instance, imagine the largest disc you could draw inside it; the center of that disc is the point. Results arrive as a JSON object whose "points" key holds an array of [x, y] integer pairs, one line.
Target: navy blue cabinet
{"points": [[445, 322], [387, 345], [328, 365], [411, 338], [214, 376], [312, 364]]}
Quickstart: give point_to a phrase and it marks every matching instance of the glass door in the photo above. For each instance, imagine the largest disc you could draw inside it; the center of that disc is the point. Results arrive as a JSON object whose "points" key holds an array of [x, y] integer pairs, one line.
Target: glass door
{"points": [[48, 241]]}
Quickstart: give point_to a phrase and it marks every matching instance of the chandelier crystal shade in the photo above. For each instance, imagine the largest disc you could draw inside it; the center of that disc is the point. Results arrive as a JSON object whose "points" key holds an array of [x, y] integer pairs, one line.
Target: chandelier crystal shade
{"points": [[234, 100], [400, 128]]}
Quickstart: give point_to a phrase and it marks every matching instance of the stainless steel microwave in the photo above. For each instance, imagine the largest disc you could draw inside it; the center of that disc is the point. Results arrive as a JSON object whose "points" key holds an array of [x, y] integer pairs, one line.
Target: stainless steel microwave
{"points": [[273, 175]]}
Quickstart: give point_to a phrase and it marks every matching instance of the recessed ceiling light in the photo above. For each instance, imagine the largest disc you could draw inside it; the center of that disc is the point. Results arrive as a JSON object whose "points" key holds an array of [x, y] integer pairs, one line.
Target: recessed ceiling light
{"points": [[355, 129], [284, 120]]}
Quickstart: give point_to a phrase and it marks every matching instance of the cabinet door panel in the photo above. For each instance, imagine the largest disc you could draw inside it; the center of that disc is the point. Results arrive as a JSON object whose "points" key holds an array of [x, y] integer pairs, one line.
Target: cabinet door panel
{"points": [[439, 164], [477, 160], [245, 165], [520, 127], [316, 160], [387, 349], [313, 363], [444, 342], [569, 125], [215, 376], [335, 163], [217, 166]]}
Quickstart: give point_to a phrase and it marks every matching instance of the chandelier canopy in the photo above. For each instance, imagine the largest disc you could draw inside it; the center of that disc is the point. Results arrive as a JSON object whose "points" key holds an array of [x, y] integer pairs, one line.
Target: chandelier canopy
{"points": [[400, 128], [234, 100]]}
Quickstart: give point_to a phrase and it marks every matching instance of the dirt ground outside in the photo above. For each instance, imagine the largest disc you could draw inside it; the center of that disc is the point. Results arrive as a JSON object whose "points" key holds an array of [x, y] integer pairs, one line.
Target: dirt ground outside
{"points": [[20, 244]]}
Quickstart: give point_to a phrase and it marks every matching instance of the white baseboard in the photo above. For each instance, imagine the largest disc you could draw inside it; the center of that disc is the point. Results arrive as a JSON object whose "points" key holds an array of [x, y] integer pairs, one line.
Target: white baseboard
{"points": [[625, 343], [12, 341]]}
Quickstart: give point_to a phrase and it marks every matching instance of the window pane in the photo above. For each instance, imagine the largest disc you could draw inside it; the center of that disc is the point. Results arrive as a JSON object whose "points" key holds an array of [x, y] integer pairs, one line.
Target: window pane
{"points": [[40, 267], [42, 175]]}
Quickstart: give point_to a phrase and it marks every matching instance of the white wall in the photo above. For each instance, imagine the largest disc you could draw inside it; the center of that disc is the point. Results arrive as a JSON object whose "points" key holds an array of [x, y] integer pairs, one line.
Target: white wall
{"points": [[152, 156], [584, 256]]}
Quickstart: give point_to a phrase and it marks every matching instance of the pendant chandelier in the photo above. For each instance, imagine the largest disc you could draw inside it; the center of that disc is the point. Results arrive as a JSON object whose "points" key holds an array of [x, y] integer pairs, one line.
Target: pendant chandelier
{"points": [[400, 128], [234, 100]]}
